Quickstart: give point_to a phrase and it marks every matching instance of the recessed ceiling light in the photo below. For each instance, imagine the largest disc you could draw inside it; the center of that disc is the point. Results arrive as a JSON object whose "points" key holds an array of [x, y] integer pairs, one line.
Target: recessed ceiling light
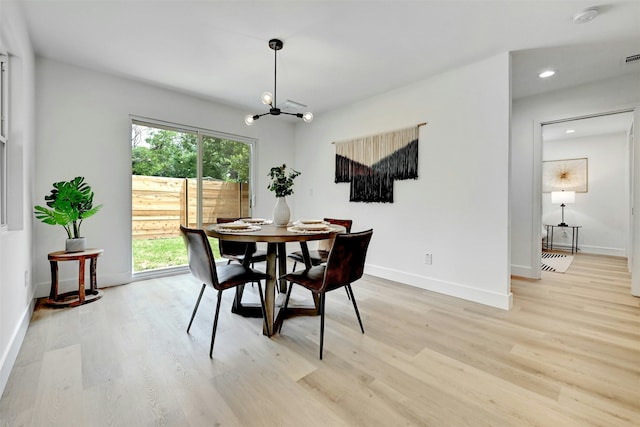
{"points": [[545, 74], [570, 131], [585, 16]]}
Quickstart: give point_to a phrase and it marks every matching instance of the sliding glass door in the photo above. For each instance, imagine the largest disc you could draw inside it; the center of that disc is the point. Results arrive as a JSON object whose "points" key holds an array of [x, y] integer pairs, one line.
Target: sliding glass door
{"points": [[187, 176]]}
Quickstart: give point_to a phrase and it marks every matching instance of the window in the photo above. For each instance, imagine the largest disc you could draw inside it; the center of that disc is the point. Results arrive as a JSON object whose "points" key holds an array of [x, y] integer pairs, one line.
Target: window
{"points": [[4, 106]]}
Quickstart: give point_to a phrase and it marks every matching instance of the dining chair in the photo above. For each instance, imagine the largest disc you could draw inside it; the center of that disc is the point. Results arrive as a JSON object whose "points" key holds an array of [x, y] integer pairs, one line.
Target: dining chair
{"points": [[345, 265], [235, 251], [203, 267], [320, 255]]}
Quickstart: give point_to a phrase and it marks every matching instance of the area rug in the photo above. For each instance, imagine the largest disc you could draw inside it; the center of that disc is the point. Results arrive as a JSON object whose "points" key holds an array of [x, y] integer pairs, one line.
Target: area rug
{"points": [[558, 263]]}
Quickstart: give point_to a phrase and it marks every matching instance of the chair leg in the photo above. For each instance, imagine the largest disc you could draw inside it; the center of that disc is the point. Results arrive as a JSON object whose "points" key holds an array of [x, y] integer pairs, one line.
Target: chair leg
{"points": [[215, 324], [322, 301], [264, 311], [284, 307], [196, 307], [347, 290], [294, 265], [253, 265], [355, 306]]}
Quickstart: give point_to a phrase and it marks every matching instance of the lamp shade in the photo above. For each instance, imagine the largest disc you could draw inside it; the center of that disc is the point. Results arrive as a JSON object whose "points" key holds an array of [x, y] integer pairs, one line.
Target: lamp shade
{"points": [[563, 197]]}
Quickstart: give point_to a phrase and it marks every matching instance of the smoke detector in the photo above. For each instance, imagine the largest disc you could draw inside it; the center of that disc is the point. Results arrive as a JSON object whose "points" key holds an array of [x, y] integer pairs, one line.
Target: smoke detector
{"points": [[585, 16]]}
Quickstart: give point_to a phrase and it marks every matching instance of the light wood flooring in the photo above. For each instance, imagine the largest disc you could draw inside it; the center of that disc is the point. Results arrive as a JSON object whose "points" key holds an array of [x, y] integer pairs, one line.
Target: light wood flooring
{"points": [[567, 354]]}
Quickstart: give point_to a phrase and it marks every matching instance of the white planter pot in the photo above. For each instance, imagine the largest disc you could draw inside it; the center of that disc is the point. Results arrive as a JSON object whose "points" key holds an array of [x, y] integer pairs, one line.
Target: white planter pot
{"points": [[76, 245], [281, 212]]}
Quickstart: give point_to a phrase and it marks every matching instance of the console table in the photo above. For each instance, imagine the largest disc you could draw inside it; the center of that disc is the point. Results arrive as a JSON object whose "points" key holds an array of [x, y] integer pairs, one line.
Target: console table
{"points": [[574, 235], [82, 295]]}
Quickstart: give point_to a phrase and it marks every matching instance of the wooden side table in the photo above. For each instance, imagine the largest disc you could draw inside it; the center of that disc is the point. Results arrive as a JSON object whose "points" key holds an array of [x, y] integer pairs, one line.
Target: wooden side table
{"points": [[81, 296]]}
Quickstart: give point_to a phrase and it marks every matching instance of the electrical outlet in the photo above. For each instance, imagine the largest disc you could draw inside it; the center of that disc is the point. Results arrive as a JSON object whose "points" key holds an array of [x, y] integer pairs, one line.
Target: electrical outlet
{"points": [[427, 258]]}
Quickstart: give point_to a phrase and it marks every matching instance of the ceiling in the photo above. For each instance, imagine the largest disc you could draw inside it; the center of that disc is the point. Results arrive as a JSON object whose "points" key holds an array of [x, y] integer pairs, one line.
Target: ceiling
{"points": [[335, 52]]}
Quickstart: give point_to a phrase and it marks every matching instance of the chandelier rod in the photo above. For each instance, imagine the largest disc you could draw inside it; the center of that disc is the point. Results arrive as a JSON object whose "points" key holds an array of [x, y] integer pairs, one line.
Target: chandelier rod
{"points": [[275, 77]]}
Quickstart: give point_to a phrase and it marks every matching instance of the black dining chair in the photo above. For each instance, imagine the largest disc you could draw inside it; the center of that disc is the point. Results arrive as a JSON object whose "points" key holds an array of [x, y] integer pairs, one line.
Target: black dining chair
{"points": [[203, 267], [345, 265], [320, 255], [235, 251]]}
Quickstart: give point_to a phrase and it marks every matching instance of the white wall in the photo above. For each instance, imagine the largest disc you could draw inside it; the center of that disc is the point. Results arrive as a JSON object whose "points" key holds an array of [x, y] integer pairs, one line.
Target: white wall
{"points": [[458, 207], [16, 287], [83, 122], [603, 211], [526, 154]]}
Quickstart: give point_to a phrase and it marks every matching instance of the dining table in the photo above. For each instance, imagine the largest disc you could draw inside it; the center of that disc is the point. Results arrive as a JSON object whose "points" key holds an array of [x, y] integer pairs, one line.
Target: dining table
{"points": [[276, 237]]}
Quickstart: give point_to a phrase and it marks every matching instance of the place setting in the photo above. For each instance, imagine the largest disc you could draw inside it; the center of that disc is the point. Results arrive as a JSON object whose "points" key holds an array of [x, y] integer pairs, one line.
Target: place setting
{"points": [[237, 227], [310, 226], [256, 221]]}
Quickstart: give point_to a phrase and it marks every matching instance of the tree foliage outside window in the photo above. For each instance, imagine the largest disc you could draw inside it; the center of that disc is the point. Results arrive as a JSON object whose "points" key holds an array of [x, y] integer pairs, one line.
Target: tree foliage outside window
{"points": [[160, 152]]}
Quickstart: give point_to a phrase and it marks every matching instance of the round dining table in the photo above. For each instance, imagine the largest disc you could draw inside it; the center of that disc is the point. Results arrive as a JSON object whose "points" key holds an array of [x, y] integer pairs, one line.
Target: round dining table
{"points": [[276, 238]]}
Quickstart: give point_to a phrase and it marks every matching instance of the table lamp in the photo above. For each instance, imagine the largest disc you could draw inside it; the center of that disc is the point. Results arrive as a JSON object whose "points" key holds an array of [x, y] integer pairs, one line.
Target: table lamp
{"points": [[562, 197]]}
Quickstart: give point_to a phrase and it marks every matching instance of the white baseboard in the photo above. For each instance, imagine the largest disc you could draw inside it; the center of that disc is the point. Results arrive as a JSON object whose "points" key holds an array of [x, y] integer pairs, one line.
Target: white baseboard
{"points": [[594, 250], [481, 296], [524, 271], [10, 355], [600, 250]]}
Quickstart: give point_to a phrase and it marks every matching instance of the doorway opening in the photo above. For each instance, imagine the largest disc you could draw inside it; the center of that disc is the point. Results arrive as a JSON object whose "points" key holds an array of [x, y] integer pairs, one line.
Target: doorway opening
{"points": [[590, 159]]}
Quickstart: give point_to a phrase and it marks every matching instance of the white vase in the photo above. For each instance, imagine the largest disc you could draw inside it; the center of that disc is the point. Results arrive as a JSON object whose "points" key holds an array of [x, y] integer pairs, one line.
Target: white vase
{"points": [[78, 244], [281, 212]]}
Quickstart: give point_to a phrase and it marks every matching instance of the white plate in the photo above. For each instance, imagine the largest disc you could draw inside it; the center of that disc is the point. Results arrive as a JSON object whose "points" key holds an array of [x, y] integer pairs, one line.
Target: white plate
{"points": [[234, 226], [311, 221], [312, 227], [249, 228], [254, 220], [303, 229]]}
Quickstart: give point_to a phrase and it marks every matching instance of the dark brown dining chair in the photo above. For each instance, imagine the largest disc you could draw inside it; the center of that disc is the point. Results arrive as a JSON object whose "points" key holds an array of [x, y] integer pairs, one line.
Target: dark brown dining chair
{"points": [[235, 251], [320, 255], [203, 267], [344, 266]]}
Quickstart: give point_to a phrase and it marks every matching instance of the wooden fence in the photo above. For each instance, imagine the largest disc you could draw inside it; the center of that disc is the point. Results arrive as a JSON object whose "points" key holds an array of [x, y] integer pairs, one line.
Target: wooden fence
{"points": [[160, 205]]}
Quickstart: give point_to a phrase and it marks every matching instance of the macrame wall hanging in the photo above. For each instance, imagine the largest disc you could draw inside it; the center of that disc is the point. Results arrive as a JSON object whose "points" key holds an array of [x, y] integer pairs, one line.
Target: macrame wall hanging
{"points": [[372, 163]]}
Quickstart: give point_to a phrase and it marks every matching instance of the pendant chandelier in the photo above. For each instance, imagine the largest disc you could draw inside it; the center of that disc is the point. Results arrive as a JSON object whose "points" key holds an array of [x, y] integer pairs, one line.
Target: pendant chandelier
{"points": [[269, 98]]}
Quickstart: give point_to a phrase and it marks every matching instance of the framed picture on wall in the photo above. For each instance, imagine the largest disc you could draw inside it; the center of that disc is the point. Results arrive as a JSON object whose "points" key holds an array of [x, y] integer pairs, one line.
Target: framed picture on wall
{"points": [[565, 174]]}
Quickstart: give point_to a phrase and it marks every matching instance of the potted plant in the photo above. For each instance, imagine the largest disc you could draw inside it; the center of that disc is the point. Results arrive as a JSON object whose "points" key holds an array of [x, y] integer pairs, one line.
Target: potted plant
{"points": [[69, 203], [282, 184]]}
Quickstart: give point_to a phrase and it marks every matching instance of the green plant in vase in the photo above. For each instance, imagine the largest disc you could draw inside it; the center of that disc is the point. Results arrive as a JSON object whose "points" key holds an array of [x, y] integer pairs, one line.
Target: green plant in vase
{"points": [[68, 204], [282, 185]]}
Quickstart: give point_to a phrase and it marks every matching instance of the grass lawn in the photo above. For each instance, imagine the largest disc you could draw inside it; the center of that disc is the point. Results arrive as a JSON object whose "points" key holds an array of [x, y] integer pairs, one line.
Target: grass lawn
{"points": [[151, 254]]}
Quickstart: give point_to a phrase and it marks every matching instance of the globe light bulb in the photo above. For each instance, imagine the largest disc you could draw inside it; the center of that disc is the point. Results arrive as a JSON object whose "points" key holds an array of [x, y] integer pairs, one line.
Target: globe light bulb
{"points": [[248, 119], [267, 98], [307, 117]]}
